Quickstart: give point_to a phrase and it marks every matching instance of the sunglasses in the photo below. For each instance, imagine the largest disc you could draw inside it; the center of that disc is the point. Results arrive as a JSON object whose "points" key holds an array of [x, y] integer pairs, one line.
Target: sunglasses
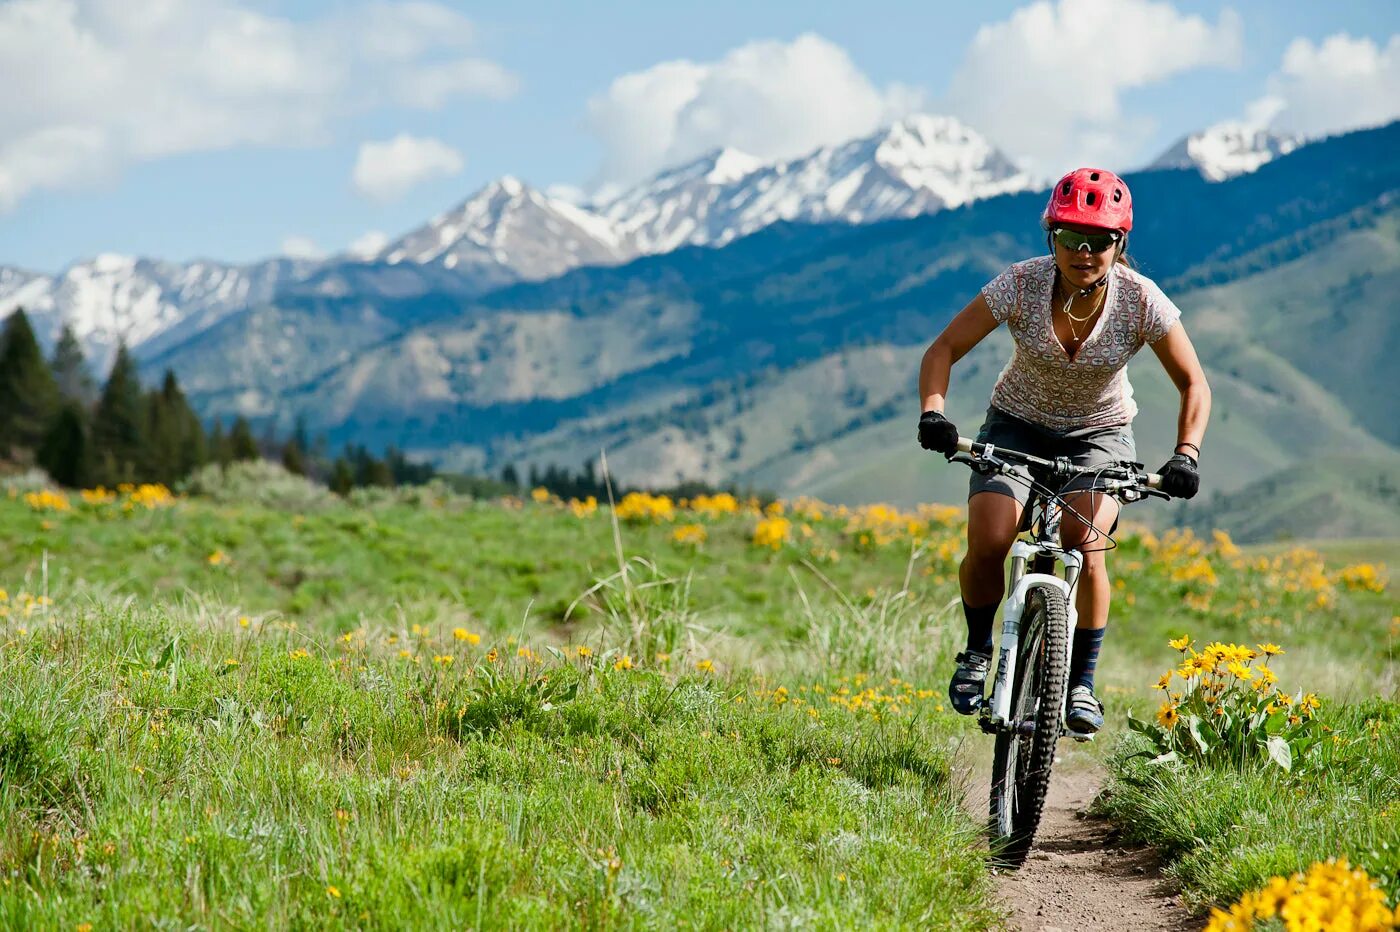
{"points": [[1093, 242]]}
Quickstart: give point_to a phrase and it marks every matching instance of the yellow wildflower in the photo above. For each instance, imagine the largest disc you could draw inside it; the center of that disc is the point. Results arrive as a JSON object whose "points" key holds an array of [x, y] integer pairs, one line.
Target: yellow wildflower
{"points": [[623, 663]]}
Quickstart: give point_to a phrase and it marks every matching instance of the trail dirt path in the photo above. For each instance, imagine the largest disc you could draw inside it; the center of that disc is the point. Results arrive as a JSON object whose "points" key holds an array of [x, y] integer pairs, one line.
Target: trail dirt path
{"points": [[1079, 876]]}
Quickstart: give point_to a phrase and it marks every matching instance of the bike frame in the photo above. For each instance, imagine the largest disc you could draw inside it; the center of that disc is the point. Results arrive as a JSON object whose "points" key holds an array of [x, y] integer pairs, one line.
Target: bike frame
{"points": [[998, 715]]}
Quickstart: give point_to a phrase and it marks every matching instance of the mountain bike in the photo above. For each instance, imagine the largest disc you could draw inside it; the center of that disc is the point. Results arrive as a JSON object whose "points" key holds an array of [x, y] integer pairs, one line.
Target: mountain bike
{"points": [[1026, 709]]}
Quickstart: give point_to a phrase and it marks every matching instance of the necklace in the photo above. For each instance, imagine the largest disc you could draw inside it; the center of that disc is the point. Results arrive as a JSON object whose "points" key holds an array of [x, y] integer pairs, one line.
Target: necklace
{"points": [[1065, 309]]}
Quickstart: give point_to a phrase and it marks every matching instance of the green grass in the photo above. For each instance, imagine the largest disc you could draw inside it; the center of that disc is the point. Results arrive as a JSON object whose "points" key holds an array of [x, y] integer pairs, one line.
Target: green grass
{"points": [[776, 753], [1227, 830]]}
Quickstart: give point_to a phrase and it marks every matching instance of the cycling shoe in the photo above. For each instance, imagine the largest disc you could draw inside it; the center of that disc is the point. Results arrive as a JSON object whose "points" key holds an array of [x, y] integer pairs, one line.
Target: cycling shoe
{"points": [[965, 690], [1085, 716]]}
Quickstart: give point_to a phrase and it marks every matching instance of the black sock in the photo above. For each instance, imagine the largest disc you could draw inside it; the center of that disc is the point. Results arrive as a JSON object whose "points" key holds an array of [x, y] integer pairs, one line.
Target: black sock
{"points": [[979, 627], [1085, 658]]}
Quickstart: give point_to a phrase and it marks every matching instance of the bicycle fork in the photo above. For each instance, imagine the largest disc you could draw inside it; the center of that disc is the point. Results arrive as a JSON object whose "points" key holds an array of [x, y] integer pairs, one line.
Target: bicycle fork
{"points": [[996, 714]]}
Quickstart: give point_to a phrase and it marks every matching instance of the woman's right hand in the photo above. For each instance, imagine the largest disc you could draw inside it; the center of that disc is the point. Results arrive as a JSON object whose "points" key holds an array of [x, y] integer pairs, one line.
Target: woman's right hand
{"points": [[937, 433]]}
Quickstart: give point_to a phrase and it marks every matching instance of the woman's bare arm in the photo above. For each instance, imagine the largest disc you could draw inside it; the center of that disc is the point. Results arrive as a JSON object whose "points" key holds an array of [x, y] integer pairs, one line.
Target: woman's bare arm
{"points": [[1178, 357], [963, 332]]}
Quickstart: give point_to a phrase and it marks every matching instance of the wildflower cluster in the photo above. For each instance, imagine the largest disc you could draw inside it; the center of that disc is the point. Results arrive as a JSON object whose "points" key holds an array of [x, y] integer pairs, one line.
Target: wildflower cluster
{"points": [[1329, 895], [713, 506], [45, 500], [583, 508], [127, 497], [692, 534], [643, 507], [879, 524], [1367, 576], [22, 605], [772, 532], [856, 694], [1293, 582], [1228, 709]]}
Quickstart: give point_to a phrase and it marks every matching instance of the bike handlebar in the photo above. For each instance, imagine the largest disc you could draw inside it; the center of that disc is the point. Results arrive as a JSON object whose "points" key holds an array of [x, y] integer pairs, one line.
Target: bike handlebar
{"points": [[1060, 467]]}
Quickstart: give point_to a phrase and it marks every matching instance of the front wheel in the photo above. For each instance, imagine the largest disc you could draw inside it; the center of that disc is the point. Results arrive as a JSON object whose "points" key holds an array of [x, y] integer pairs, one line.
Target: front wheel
{"points": [[1023, 757]]}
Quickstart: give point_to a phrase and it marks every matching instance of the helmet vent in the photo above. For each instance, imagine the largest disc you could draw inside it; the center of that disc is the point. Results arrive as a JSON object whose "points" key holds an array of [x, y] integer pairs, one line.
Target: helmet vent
{"points": [[1090, 198], [1064, 189], [1117, 195], [1093, 176]]}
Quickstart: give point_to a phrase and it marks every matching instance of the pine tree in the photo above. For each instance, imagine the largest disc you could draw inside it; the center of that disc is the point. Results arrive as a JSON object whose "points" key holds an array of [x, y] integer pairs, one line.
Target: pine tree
{"points": [[293, 457], [70, 369], [119, 425], [178, 441], [219, 450], [64, 452], [163, 440], [297, 448], [342, 477], [28, 395], [242, 446]]}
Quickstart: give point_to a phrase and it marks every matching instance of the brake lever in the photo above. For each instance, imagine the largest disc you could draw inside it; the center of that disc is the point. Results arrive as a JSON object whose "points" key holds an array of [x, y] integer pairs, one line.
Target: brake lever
{"points": [[985, 465]]}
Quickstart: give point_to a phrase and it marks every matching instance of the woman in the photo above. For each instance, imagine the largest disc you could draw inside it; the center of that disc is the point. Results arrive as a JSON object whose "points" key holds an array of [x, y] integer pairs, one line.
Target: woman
{"points": [[1077, 316]]}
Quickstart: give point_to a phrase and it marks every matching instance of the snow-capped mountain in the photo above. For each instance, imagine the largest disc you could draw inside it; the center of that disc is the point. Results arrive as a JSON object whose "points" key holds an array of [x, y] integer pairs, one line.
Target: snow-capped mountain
{"points": [[511, 231], [1226, 150], [921, 164], [112, 298]]}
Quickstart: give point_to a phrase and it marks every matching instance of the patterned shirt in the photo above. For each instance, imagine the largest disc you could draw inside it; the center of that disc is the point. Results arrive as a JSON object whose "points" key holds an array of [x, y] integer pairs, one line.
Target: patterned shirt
{"points": [[1041, 383]]}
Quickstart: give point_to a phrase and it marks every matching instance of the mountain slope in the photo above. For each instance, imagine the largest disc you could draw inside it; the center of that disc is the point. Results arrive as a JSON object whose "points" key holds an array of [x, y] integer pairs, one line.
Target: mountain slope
{"points": [[1340, 496]]}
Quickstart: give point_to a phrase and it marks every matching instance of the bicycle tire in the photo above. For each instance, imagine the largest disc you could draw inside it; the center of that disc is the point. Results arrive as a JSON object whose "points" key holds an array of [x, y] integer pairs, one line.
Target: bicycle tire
{"points": [[1021, 763]]}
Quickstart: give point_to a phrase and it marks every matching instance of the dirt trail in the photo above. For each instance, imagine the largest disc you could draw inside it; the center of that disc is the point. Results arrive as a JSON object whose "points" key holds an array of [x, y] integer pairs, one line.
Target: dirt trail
{"points": [[1078, 876]]}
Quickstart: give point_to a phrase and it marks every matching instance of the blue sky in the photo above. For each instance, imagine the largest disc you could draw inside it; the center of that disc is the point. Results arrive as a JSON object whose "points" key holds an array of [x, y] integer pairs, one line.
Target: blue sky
{"points": [[248, 136]]}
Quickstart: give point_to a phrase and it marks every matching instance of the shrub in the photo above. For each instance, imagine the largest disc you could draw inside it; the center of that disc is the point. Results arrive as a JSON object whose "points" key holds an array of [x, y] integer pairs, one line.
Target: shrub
{"points": [[257, 482]]}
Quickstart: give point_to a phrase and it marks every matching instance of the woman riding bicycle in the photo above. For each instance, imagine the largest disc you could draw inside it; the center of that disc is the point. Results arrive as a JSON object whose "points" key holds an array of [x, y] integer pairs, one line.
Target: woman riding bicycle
{"points": [[1077, 316]]}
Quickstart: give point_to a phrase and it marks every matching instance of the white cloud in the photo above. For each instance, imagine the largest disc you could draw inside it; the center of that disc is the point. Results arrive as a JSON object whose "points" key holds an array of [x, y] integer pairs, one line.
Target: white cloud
{"points": [[368, 244], [131, 80], [1339, 84], [1046, 84], [386, 171], [301, 247], [772, 99]]}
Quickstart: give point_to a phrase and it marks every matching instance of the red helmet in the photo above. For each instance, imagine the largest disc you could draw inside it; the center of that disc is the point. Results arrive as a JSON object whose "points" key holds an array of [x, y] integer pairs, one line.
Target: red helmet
{"points": [[1093, 197]]}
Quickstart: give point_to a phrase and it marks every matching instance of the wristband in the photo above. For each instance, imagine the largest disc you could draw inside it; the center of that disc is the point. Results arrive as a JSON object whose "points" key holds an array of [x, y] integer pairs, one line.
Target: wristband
{"points": [[1187, 443]]}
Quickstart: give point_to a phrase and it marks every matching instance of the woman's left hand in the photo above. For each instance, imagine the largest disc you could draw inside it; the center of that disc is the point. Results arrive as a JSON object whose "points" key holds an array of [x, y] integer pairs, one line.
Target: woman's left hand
{"points": [[1179, 477]]}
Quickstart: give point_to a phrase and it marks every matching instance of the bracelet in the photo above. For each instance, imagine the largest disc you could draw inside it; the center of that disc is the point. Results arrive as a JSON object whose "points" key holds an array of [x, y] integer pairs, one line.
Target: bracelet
{"points": [[1187, 443]]}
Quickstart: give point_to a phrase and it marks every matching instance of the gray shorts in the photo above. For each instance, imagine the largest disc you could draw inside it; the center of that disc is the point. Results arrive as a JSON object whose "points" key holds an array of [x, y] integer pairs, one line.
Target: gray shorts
{"points": [[1090, 446]]}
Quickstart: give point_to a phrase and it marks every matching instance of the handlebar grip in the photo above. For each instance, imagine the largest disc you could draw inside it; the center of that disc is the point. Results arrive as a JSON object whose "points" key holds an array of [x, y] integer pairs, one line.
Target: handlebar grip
{"points": [[1153, 480], [964, 445]]}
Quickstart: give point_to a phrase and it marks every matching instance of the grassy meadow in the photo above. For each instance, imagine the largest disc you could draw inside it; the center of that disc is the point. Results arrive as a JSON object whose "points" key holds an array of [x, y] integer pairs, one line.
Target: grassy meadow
{"points": [[257, 705]]}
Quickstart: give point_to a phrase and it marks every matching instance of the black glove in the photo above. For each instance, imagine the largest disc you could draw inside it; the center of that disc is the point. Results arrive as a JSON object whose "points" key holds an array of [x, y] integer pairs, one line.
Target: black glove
{"points": [[937, 433], [1179, 477]]}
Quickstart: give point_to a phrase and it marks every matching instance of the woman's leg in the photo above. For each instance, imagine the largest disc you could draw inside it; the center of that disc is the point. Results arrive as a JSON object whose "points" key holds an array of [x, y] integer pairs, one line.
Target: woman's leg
{"points": [[1094, 591], [992, 520]]}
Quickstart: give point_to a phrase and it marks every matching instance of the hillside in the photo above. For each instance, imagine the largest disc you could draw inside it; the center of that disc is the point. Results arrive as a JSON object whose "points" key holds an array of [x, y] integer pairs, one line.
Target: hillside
{"points": [[809, 295], [786, 359], [840, 427], [1331, 496]]}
